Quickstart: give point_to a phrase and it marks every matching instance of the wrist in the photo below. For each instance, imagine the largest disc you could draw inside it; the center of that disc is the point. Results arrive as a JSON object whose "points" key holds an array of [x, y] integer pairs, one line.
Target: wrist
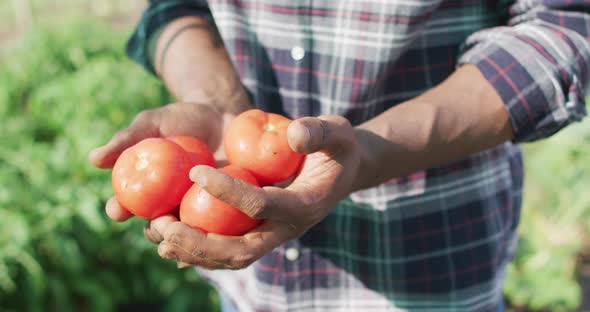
{"points": [[226, 97], [366, 171], [390, 151], [193, 63]]}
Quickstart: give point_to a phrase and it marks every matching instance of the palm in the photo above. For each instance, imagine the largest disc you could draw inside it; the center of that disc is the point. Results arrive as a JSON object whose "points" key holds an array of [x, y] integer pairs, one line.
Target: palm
{"points": [[200, 121], [195, 120], [319, 177], [323, 180], [323, 175]]}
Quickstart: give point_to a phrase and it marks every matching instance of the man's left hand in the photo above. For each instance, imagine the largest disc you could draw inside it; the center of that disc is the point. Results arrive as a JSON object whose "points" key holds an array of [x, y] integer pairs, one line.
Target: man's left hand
{"points": [[329, 173]]}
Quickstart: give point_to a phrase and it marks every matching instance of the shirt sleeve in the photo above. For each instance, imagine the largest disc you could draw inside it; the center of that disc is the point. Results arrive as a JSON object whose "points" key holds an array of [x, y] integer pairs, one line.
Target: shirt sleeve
{"points": [[538, 64], [157, 15]]}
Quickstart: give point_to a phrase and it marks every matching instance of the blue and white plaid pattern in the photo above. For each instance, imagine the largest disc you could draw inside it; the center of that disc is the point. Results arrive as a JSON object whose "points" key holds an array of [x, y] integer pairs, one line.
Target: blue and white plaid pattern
{"points": [[435, 240]]}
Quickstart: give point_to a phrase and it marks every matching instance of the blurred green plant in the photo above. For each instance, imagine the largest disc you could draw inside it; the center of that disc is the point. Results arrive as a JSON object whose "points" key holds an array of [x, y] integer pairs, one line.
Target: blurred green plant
{"points": [[555, 225], [63, 92]]}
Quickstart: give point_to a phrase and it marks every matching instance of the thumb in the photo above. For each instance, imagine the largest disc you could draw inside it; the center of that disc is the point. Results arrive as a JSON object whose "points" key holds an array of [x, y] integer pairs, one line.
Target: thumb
{"points": [[312, 134], [106, 155]]}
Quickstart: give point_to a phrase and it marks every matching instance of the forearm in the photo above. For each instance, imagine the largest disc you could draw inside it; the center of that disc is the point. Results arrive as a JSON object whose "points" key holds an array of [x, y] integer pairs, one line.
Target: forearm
{"points": [[461, 116], [195, 66]]}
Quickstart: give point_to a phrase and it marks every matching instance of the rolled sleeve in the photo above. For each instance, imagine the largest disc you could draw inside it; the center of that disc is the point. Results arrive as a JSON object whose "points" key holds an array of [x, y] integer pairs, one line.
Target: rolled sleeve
{"points": [[538, 64], [157, 15]]}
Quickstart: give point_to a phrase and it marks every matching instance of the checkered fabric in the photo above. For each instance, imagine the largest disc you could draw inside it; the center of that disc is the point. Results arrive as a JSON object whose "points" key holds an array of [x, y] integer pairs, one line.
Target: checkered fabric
{"points": [[435, 240]]}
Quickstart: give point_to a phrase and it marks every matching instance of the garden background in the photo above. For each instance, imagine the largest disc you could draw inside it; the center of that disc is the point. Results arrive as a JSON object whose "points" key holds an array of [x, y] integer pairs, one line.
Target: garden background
{"points": [[66, 87]]}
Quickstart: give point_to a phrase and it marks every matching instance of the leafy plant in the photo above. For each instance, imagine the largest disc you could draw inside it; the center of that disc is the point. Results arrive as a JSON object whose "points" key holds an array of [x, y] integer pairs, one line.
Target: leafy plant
{"points": [[554, 223], [61, 94]]}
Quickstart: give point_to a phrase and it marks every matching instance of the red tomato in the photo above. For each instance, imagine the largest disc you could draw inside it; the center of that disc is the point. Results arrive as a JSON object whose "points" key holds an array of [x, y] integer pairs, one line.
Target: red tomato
{"points": [[257, 142], [202, 211], [197, 149], [150, 178]]}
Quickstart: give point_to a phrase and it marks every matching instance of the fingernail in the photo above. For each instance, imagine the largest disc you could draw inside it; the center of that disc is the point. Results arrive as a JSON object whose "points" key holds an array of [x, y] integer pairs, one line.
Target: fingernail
{"points": [[303, 124], [300, 137], [306, 137], [201, 181], [182, 265], [198, 178]]}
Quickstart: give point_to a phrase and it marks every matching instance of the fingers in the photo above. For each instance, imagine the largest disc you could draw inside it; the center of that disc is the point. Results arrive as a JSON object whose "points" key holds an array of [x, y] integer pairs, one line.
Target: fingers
{"points": [[106, 155], [153, 232], [249, 198], [310, 134], [115, 211], [259, 203], [195, 247], [143, 126], [213, 251], [154, 229], [170, 251]]}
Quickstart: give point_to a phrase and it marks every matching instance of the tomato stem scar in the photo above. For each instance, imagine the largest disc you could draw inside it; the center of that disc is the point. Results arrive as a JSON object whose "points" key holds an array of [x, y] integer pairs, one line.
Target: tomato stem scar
{"points": [[268, 127]]}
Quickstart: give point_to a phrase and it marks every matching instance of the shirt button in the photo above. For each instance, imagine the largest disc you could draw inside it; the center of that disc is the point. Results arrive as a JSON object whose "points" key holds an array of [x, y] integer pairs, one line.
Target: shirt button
{"points": [[297, 53], [292, 254]]}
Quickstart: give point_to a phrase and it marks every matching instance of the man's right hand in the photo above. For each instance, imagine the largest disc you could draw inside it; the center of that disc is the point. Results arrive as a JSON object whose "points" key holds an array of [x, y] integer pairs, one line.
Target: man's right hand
{"points": [[201, 121], [194, 65]]}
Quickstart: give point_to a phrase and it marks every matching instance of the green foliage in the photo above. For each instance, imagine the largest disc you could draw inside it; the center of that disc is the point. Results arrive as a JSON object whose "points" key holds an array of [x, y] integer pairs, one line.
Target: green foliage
{"points": [[555, 222], [62, 94]]}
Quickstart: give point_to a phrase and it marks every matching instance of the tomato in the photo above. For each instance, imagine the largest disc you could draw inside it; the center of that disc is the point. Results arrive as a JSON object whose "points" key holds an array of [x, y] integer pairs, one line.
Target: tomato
{"points": [[203, 211], [257, 141], [150, 178], [197, 149]]}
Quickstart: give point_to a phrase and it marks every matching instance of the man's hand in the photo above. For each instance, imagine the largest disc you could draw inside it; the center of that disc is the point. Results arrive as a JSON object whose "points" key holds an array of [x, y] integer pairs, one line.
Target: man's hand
{"points": [[334, 160], [197, 70], [202, 121], [444, 124]]}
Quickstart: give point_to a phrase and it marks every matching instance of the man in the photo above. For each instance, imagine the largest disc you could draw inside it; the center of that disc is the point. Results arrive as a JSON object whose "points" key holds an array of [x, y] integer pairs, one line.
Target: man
{"points": [[410, 195]]}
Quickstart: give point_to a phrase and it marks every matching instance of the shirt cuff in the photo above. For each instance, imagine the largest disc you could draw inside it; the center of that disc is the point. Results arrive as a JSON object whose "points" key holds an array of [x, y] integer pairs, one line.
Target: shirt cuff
{"points": [[540, 98]]}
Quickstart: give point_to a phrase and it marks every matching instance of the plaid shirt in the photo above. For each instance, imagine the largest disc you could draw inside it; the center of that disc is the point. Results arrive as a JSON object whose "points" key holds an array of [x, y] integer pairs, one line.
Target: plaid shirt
{"points": [[435, 240]]}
